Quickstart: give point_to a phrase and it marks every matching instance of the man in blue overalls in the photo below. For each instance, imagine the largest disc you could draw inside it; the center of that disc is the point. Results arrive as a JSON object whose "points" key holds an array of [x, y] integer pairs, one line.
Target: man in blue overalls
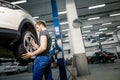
{"points": [[42, 64]]}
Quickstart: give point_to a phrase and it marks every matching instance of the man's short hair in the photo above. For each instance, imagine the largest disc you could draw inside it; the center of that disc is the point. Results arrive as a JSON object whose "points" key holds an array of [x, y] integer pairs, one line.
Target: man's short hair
{"points": [[41, 22]]}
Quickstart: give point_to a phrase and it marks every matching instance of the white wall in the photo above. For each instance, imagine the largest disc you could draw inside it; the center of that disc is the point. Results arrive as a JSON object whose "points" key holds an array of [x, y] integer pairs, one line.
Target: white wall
{"points": [[88, 44]]}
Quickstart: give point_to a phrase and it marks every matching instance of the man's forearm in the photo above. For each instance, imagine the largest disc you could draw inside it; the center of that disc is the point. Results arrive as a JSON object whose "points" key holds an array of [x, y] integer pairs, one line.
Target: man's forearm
{"points": [[38, 51], [36, 46]]}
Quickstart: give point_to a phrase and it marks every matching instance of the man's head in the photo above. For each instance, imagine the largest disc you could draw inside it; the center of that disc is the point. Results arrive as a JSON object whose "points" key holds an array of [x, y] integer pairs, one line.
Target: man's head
{"points": [[40, 25]]}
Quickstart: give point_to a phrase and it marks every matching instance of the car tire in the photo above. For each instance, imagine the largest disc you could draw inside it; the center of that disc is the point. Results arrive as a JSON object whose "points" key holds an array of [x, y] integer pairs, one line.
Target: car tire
{"points": [[18, 71], [112, 61], [102, 61], [91, 61], [25, 43]]}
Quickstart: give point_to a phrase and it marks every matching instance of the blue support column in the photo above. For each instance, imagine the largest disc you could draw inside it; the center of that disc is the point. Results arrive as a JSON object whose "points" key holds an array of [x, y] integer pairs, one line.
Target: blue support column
{"points": [[58, 42]]}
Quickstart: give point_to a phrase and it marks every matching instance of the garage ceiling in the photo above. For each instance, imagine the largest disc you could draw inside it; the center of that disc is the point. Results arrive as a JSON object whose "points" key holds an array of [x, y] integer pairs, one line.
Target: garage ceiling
{"points": [[105, 23]]}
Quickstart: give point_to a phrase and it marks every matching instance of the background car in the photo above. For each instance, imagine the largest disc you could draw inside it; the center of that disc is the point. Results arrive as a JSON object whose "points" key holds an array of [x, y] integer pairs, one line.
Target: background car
{"points": [[14, 67], [16, 30], [102, 57], [2, 67], [109, 56]]}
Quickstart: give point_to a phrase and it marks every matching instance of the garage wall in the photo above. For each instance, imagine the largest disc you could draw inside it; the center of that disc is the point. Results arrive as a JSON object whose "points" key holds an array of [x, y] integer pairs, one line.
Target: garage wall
{"points": [[112, 40], [66, 46], [92, 48]]}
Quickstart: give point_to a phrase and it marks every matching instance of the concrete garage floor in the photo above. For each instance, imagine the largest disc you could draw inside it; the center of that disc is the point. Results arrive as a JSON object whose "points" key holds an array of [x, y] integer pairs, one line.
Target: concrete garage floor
{"points": [[108, 71]]}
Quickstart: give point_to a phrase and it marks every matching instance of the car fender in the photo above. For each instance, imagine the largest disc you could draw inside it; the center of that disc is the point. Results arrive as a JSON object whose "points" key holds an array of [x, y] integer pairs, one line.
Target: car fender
{"points": [[30, 26]]}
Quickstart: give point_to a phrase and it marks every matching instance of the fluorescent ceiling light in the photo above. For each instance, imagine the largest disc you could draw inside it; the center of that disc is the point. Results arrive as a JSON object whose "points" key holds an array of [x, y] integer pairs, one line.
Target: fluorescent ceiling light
{"points": [[109, 33], [84, 34], [107, 23], [36, 17], [117, 14], [102, 37], [63, 12], [86, 31], [19, 2], [67, 40], [62, 23], [99, 32], [97, 6], [93, 18], [88, 26], [65, 30], [103, 29], [118, 27], [95, 35]]}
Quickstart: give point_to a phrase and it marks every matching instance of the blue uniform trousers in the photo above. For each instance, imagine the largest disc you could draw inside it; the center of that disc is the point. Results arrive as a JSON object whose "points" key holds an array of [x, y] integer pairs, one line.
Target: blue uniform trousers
{"points": [[42, 66]]}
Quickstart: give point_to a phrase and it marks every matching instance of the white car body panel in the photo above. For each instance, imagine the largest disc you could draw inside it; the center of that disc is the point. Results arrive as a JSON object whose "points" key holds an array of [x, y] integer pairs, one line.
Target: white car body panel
{"points": [[11, 19]]}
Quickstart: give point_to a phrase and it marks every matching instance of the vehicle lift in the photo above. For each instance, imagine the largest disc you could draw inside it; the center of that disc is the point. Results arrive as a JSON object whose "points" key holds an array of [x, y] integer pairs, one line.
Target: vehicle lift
{"points": [[58, 43]]}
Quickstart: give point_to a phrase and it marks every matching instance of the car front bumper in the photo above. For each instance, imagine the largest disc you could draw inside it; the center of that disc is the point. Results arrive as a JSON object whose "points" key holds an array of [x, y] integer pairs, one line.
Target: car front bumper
{"points": [[8, 36]]}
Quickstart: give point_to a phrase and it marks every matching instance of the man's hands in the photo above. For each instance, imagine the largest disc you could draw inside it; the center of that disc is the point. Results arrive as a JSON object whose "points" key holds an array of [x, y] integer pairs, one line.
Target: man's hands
{"points": [[27, 55]]}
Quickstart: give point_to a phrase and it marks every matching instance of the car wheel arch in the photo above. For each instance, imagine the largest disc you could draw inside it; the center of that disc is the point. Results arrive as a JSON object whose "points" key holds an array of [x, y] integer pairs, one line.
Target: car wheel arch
{"points": [[27, 25]]}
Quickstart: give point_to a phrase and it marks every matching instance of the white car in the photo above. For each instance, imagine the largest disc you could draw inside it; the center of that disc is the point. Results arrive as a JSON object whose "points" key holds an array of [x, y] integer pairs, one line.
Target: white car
{"points": [[15, 67], [16, 29], [3, 66]]}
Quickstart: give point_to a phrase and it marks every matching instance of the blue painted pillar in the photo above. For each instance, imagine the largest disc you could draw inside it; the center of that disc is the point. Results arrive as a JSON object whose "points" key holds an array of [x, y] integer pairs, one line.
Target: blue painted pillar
{"points": [[58, 42]]}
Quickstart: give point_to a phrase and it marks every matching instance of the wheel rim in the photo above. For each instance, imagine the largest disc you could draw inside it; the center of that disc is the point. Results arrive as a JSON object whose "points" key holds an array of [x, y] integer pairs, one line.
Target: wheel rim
{"points": [[28, 37]]}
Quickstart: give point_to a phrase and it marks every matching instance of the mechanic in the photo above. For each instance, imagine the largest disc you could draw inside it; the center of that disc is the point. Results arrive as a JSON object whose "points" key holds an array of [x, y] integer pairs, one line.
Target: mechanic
{"points": [[42, 63]]}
